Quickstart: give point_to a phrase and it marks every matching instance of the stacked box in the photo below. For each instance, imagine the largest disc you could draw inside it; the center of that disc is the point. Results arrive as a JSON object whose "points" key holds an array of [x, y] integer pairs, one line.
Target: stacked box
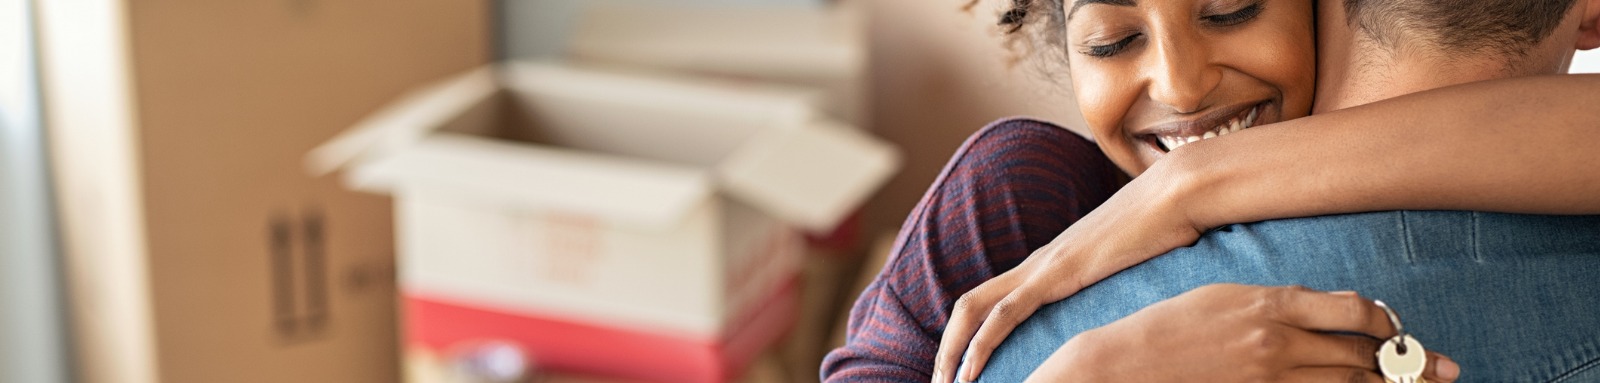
{"points": [[195, 247], [634, 225]]}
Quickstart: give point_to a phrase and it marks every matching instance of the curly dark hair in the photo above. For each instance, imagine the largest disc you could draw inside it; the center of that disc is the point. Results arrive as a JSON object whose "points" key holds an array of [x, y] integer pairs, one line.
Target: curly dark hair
{"points": [[1031, 29]]}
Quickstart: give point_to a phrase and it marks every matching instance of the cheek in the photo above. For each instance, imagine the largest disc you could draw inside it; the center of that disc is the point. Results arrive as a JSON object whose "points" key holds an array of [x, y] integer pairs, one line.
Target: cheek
{"points": [[1104, 96], [1297, 76], [1284, 58]]}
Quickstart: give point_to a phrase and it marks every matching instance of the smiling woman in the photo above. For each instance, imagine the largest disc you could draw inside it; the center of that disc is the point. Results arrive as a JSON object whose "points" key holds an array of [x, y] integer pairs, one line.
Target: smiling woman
{"points": [[1150, 79], [1414, 125]]}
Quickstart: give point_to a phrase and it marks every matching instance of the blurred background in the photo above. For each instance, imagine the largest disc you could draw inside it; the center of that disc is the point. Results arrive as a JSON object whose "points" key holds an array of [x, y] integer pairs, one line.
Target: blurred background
{"points": [[470, 191]]}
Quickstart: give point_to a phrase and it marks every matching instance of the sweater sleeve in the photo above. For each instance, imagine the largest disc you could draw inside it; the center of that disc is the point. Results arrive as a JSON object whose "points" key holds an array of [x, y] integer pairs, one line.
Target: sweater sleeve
{"points": [[968, 228]]}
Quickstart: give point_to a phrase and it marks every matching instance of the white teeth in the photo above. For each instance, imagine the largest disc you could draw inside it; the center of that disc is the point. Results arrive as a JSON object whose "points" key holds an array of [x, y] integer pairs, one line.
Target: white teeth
{"points": [[1232, 126]]}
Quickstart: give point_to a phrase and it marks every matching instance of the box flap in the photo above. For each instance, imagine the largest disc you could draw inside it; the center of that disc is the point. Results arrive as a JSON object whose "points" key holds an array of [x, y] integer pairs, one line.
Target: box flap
{"points": [[403, 121], [667, 117], [539, 178], [812, 175]]}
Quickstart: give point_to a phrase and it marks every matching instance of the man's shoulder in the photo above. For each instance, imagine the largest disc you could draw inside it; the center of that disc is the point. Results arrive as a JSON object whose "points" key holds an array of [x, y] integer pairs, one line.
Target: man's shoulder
{"points": [[1413, 232]]}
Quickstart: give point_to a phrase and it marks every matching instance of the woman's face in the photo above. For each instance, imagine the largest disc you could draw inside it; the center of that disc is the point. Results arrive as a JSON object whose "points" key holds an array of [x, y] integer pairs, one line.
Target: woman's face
{"points": [[1153, 75]]}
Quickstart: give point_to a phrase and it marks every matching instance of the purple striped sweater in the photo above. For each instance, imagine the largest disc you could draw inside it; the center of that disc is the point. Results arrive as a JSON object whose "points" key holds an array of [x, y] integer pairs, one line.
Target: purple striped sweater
{"points": [[1010, 189]]}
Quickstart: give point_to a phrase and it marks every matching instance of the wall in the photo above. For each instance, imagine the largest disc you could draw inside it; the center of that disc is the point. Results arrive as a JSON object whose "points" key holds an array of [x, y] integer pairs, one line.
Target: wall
{"points": [[540, 28], [938, 75], [32, 340], [1586, 62]]}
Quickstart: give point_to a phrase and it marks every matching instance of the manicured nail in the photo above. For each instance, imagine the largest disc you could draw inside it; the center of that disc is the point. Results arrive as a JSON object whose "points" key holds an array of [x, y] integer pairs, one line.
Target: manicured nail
{"points": [[1448, 369]]}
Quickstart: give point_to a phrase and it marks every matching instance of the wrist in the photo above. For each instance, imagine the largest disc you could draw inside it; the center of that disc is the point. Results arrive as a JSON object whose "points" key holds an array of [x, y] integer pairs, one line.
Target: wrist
{"points": [[1184, 181]]}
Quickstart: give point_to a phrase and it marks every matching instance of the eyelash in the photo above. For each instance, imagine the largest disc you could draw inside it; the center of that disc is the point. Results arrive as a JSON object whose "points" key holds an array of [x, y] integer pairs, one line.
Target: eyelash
{"points": [[1108, 50], [1236, 17], [1224, 20]]}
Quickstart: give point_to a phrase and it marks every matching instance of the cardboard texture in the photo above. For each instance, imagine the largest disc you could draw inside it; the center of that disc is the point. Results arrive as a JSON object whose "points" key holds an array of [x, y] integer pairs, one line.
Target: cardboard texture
{"points": [[650, 202], [197, 249], [538, 202]]}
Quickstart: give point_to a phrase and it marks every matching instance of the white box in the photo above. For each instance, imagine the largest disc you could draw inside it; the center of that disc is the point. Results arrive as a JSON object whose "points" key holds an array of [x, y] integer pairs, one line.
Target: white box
{"points": [[646, 202]]}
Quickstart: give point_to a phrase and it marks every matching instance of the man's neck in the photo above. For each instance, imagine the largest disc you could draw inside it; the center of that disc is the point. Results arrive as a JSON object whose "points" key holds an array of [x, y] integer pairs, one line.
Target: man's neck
{"points": [[1355, 70]]}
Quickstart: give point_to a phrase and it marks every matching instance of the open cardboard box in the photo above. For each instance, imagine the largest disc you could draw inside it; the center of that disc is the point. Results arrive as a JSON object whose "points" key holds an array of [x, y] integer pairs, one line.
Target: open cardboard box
{"points": [[639, 201]]}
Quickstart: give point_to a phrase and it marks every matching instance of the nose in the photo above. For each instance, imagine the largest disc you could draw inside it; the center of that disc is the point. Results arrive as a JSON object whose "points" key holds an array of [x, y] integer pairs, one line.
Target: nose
{"points": [[1181, 73]]}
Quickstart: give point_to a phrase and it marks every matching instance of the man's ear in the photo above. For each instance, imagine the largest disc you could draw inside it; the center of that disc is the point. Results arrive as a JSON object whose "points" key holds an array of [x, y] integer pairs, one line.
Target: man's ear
{"points": [[1589, 27]]}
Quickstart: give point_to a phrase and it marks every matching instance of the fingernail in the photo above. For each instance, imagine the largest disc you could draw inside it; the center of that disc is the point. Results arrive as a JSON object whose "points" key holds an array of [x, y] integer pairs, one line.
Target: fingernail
{"points": [[1448, 369]]}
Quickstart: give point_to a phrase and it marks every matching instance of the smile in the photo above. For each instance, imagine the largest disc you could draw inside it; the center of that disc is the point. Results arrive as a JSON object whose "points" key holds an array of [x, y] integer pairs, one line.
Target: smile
{"points": [[1243, 120]]}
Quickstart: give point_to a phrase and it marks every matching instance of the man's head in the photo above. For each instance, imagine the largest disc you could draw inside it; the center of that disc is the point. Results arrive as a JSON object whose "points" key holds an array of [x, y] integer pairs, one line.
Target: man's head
{"points": [[1376, 49], [1508, 28]]}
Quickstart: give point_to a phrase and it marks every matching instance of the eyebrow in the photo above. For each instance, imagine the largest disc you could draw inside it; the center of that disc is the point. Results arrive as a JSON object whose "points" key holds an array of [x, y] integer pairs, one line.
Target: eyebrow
{"points": [[1080, 3]]}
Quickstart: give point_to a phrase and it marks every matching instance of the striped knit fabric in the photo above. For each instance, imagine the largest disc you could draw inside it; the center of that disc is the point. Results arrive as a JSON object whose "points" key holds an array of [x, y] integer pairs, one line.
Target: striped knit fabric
{"points": [[1011, 188]]}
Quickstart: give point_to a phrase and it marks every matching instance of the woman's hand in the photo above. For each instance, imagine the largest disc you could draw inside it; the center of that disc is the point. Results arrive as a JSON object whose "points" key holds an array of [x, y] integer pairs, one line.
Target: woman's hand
{"points": [[1143, 220], [1237, 333]]}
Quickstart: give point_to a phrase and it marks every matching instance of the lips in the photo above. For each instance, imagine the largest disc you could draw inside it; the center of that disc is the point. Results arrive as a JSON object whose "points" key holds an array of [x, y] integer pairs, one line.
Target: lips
{"points": [[1173, 135], [1235, 124]]}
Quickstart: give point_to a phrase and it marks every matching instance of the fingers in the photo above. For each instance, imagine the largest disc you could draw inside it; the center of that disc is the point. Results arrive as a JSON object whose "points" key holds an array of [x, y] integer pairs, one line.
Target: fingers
{"points": [[1004, 317], [970, 311], [1357, 374], [1441, 369], [1332, 375], [1344, 312], [1437, 364], [1314, 310], [1305, 348]]}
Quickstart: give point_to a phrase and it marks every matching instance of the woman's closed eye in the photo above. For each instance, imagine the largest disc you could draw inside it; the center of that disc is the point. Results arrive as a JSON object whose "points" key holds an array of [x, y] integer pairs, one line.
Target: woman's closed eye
{"points": [[1236, 17], [1112, 49]]}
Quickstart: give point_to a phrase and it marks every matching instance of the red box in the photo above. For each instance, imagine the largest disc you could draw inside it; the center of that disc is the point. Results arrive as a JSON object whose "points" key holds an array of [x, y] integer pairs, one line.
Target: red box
{"points": [[567, 345]]}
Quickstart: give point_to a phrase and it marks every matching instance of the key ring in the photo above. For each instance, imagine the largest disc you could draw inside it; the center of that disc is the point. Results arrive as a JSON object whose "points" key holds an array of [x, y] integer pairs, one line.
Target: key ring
{"points": [[1399, 330]]}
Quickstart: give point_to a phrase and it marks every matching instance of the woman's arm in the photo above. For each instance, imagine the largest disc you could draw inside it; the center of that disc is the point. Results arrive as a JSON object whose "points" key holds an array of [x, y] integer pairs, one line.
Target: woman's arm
{"points": [[1515, 145], [1524, 145]]}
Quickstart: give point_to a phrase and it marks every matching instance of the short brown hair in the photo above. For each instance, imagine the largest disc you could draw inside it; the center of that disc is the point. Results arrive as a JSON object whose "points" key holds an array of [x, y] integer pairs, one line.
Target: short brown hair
{"points": [[1511, 27]]}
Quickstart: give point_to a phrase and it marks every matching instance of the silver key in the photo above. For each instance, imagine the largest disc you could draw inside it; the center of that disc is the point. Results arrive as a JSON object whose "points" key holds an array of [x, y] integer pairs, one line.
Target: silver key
{"points": [[1401, 359], [1403, 367]]}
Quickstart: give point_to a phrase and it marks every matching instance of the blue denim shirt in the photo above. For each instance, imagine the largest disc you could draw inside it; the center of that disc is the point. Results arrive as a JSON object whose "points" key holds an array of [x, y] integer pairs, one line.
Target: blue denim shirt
{"points": [[1512, 298]]}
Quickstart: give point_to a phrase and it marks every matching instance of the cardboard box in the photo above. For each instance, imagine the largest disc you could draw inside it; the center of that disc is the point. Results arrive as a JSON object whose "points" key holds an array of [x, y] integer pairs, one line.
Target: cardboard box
{"points": [[196, 247], [563, 346], [429, 366], [649, 202]]}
